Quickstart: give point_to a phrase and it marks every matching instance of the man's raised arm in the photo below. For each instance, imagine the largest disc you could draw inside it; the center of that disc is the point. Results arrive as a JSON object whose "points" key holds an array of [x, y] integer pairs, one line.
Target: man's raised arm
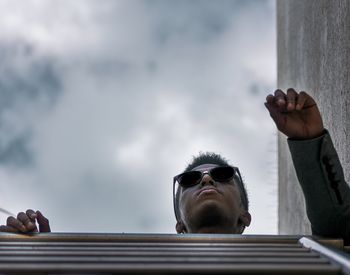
{"points": [[316, 162]]}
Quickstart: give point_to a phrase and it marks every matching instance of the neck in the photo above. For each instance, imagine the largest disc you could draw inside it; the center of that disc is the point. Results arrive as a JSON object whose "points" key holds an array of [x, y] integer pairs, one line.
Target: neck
{"points": [[214, 223]]}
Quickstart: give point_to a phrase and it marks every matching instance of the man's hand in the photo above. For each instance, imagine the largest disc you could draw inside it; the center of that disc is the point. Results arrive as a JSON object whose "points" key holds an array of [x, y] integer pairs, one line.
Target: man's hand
{"points": [[25, 223], [296, 115]]}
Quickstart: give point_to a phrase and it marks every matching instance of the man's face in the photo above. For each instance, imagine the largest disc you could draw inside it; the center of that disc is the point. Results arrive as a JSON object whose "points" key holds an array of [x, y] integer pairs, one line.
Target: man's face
{"points": [[211, 206]]}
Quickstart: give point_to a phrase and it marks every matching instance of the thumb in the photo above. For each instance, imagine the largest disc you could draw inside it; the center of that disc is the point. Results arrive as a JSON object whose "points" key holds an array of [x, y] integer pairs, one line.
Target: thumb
{"points": [[43, 222]]}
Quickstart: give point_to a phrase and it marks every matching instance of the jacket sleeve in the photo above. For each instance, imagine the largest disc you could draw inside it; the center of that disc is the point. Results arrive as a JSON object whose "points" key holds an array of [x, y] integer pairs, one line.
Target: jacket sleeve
{"points": [[321, 177]]}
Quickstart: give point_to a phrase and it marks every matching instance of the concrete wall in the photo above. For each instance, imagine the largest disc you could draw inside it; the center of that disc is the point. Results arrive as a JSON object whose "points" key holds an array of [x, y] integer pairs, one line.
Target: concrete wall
{"points": [[313, 43]]}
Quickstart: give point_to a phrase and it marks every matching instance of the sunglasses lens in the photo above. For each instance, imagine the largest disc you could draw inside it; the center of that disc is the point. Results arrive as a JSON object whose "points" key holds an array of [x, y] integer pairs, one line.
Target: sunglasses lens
{"points": [[223, 173], [190, 178]]}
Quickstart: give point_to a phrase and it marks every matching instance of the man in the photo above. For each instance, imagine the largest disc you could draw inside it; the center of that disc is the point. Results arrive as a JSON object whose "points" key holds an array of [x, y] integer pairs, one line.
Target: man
{"points": [[210, 197], [316, 162]]}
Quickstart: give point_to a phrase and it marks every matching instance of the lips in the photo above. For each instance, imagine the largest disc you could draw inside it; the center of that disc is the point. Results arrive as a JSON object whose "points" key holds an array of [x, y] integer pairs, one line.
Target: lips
{"points": [[207, 190]]}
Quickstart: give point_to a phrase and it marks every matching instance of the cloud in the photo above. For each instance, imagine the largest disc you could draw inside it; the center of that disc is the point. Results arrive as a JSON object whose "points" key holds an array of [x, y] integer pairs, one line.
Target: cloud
{"points": [[103, 102]]}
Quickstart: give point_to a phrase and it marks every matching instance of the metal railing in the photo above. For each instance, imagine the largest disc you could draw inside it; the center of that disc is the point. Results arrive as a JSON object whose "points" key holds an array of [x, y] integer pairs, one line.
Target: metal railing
{"points": [[59, 253]]}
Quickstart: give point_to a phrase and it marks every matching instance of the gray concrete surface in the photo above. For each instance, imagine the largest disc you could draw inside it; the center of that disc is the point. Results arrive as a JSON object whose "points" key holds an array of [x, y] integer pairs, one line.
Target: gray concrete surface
{"points": [[313, 44]]}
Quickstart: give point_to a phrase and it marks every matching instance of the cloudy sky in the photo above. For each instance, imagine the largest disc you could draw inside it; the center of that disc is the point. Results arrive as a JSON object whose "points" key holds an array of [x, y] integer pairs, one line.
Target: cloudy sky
{"points": [[103, 102]]}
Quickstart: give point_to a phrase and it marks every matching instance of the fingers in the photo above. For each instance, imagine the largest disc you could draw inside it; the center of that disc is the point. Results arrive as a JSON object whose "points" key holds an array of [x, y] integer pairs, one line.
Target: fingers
{"points": [[43, 222], [9, 229], [292, 98], [26, 221], [276, 103], [272, 107], [31, 214], [305, 101], [270, 99], [16, 224], [280, 98], [292, 101]]}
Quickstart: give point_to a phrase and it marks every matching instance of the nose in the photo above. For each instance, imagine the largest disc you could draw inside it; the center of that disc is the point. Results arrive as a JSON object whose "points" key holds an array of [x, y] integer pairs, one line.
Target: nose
{"points": [[207, 180]]}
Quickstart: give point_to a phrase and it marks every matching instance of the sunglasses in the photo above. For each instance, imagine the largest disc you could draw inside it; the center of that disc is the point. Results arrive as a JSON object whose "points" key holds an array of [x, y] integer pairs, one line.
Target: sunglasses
{"points": [[220, 174], [192, 178]]}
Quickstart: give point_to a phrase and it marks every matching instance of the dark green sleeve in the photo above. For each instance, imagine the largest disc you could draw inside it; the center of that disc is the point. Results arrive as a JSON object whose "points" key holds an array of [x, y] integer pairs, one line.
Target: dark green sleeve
{"points": [[322, 180]]}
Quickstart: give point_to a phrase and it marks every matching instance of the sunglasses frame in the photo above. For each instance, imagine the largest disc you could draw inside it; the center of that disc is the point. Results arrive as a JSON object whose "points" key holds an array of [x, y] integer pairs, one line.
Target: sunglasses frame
{"points": [[235, 173]]}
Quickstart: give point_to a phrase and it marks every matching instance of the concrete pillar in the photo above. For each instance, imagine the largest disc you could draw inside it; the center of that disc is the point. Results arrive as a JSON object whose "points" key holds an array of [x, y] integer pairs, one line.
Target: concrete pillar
{"points": [[313, 44]]}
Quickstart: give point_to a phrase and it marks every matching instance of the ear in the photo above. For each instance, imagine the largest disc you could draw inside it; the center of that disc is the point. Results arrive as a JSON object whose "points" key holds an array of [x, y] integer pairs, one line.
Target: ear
{"points": [[180, 228], [244, 220]]}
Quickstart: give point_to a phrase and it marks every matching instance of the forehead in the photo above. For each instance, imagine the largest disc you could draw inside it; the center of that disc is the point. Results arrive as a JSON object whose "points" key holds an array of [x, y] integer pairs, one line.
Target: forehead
{"points": [[204, 167]]}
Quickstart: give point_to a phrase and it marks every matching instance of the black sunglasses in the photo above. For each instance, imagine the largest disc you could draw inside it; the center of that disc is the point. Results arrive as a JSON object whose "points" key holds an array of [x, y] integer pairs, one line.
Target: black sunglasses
{"points": [[220, 174], [191, 178]]}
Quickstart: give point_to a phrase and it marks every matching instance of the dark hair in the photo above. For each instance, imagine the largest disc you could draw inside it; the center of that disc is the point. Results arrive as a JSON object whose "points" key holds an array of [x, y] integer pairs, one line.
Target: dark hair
{"points": [[213, 158]]}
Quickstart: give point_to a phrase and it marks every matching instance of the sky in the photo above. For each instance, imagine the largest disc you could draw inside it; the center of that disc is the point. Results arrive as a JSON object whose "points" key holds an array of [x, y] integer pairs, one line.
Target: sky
{"points": [[103, 102]]}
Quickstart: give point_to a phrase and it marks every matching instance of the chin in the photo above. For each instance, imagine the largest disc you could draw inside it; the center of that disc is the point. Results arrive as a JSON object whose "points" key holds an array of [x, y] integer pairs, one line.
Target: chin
{"points": [[213, 203], [210, 212]]}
